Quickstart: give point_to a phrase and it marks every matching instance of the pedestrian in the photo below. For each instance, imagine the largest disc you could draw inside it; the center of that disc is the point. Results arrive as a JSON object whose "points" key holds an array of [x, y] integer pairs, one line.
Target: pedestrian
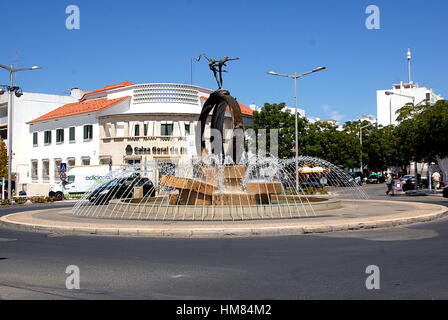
{"points": [[390, 184], [436, 179]]}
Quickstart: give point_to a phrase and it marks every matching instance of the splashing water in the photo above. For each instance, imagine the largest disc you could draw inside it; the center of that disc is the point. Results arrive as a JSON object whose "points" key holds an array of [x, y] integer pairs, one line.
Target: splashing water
{"points": [[205, 189]]}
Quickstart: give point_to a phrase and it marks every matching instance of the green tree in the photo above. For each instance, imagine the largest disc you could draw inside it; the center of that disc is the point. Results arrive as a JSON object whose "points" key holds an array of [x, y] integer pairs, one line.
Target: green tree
{"points": [[326, 141], [276, 117], [3, 159], [423, 131]]}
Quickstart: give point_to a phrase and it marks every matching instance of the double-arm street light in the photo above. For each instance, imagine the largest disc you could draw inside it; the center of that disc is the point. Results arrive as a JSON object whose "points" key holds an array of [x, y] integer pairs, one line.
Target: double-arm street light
{"points": [[296, 76], [18, 93]]}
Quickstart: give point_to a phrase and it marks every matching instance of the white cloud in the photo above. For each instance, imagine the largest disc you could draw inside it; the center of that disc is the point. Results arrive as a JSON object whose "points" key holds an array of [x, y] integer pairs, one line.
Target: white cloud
{"points": [[333, 114], [336, 116]]}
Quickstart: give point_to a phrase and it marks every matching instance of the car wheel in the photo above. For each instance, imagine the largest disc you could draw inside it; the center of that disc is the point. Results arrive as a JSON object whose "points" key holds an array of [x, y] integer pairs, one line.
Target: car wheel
{"points": [[59, 196]]}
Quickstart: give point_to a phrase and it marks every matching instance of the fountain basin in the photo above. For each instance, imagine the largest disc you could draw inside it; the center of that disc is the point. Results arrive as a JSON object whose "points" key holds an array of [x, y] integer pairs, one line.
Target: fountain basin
{"points": [[130, 209]]}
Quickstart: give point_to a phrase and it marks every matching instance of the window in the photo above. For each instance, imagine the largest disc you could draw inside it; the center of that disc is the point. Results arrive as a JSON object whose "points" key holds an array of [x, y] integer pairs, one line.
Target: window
{"points": [[70, 179], [72, 135], [35, 139], [187, 129], [166, 129], [34, 170], [47, 137], [46, 169], [88, 132], [145, 129], [105, 160], [86, 161], [57, 166], [71, 162], [59, 135], [137, 130]]}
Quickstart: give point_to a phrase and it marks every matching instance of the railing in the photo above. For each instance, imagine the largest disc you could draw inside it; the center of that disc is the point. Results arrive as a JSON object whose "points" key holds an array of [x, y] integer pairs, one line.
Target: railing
{"points": [[151, 138]]}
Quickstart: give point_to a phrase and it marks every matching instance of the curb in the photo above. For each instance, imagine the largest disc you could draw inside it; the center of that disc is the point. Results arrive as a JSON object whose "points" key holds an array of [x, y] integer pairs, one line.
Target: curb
{"points": [[295, 228]]}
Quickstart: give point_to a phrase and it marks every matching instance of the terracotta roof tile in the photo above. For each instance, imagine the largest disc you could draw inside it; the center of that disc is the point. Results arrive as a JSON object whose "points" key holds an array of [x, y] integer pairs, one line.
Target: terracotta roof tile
{"points": [[114, 86], [108, 87], [79, 108]]}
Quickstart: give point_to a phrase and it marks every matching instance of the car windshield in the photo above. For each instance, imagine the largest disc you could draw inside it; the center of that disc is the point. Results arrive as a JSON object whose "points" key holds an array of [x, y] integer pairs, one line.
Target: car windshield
{"points": [[70, 179]]}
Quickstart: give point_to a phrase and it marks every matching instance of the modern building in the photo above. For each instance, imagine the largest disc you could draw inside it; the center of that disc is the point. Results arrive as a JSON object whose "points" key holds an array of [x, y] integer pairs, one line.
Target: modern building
{"points": [[120, 124], [26, 108], [390, 101]]}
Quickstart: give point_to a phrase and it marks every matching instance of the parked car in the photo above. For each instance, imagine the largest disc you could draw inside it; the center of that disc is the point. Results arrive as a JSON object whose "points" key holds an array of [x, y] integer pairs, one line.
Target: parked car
{"points": [[121, 188], [445, 192], [409, 182], [374, 178]]}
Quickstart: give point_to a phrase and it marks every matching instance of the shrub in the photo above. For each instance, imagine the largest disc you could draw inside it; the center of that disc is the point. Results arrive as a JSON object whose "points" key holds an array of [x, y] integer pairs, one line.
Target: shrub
{"points": [[20, 200]]}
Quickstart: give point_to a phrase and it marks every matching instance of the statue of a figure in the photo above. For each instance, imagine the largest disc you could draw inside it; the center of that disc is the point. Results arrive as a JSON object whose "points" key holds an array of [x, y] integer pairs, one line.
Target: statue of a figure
{"points": [[216, 67], [218, 101]]}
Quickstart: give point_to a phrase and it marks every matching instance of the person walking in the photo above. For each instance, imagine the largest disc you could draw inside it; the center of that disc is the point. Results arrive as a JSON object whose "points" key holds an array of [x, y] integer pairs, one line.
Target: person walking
{"points": [[390, 184]]}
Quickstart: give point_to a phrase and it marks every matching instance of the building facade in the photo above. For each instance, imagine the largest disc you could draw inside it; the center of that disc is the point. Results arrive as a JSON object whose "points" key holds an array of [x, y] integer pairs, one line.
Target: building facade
{"points": [[116, 125], [26, 108], [390, 101]]}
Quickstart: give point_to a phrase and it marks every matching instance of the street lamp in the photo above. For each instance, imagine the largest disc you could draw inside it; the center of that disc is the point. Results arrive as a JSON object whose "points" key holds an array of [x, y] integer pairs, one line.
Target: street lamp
{"points": [[390, 93], [296, 76], [18, 93], [360, 142]]}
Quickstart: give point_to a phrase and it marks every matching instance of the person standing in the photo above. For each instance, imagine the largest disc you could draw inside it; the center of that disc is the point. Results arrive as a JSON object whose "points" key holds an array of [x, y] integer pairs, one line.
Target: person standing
{"points": [[436, 179]]}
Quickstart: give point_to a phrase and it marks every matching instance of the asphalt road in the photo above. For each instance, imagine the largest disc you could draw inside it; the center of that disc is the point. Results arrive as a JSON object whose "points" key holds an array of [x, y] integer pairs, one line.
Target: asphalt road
{"points": [[413, 264]]}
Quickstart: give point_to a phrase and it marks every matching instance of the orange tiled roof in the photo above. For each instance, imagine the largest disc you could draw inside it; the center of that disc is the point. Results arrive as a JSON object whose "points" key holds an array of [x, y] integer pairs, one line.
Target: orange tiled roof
{"points": [[244, 109], [114, 86], [80, 107]]}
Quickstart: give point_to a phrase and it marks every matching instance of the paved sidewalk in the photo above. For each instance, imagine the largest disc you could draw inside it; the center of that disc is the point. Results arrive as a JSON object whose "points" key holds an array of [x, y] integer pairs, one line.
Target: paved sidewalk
{"points": [[355, 215]]}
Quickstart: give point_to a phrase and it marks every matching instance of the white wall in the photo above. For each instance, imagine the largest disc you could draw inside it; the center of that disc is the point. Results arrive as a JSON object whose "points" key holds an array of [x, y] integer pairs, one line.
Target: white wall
{"points": [[67, 149], [27, 108], [387, 105]]}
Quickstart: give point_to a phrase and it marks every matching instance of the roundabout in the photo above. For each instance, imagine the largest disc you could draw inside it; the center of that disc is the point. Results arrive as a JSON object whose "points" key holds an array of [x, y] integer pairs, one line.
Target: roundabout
{"points": [[353, 215]]}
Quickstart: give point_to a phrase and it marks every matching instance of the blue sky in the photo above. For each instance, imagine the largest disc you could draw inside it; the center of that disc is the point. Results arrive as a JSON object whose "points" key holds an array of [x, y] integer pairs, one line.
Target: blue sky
{"points": [[153, 41]]}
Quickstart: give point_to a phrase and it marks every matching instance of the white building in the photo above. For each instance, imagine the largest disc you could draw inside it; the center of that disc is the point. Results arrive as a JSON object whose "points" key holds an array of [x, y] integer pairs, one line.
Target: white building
{"points": [[26, 108], [300, 112], [389, 101], [119, 124]]}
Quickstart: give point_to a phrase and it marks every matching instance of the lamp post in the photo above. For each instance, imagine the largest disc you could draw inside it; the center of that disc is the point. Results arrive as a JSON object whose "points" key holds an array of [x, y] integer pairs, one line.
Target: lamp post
{"points": [[18, 93], [390, 93], [296, 76], [360, 142]]}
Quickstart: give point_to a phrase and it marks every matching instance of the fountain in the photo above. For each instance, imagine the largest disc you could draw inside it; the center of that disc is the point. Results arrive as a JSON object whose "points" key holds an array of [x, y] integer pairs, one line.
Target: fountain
{"points": [[219, 186]]}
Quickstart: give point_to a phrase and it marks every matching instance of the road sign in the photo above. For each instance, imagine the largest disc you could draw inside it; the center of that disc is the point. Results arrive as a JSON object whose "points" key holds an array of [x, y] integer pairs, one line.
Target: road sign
{"points": [[63, 167], [63, 176]]}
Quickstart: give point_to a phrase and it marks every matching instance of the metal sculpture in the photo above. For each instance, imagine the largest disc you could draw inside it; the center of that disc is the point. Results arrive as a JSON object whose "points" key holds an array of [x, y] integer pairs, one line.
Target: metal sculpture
{"points": [[218, 102]]}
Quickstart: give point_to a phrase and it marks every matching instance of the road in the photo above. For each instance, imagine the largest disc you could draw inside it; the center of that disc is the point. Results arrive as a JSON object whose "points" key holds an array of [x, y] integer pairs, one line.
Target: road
{"points": [[413, 264]]}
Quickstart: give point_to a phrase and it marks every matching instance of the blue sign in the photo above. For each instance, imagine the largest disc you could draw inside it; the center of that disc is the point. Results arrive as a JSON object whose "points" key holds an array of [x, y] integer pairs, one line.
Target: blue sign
{"points": [[63, 167]]}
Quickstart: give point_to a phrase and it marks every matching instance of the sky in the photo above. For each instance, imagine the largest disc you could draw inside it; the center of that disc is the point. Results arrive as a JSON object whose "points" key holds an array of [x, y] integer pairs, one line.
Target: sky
{"points": [[145, 41]]}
